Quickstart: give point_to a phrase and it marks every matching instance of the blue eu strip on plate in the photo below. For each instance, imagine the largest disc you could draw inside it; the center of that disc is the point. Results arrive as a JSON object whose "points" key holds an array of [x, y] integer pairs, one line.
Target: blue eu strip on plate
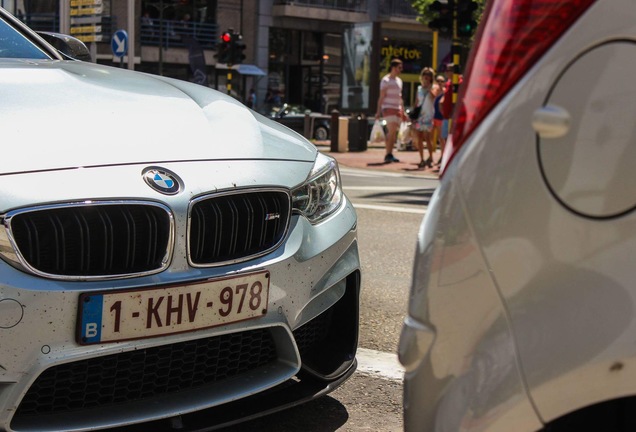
{"points": [[91, 330]]}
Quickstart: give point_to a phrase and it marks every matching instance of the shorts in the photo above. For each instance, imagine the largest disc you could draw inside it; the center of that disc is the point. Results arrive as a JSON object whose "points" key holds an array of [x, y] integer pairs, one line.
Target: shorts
{"points": [[392, 119], [442, 125]]}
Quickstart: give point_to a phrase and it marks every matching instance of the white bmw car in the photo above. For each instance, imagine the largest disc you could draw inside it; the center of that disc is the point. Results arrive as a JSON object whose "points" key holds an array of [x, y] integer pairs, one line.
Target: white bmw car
{"points": [[169, 258], [522, 307]]}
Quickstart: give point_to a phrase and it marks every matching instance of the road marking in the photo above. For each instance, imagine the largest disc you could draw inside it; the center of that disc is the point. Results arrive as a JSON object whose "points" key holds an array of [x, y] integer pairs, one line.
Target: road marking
{"points": [[368, 173], [359, 172], [382, 188], [379, 364], [389, 208]]}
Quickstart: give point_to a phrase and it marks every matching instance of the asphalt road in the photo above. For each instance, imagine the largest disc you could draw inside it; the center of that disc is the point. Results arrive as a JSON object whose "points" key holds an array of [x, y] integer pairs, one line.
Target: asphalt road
{"points": [[390, 209]]}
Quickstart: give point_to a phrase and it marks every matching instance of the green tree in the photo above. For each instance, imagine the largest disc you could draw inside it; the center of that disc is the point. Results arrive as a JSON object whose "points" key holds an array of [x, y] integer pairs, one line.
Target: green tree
{"points": [[424, 16]]}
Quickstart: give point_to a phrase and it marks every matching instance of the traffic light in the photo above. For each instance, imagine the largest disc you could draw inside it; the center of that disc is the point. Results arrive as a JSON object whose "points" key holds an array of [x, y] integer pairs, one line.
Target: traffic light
{"points": [[224, 48], [238, 46], [442, 18], [466, 23]]}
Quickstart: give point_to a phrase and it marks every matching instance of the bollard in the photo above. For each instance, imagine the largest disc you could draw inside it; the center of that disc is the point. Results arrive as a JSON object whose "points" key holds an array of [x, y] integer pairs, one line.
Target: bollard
{"points": [[335, 115], [307, 126], [343, 134]]}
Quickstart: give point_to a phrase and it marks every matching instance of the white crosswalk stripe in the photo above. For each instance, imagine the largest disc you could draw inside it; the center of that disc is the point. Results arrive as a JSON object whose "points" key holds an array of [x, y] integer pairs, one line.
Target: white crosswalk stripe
{"points": [[389, 208], [379, 364]]}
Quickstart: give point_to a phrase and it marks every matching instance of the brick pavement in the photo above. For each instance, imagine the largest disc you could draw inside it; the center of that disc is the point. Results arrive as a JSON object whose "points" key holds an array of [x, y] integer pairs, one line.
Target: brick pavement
{"points": [[373, 159]]}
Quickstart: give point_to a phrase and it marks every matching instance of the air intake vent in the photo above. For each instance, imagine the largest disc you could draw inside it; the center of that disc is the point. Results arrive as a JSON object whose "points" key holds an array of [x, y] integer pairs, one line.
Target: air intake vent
{"points": [[131, 376], [237, 227], [93, 240]]}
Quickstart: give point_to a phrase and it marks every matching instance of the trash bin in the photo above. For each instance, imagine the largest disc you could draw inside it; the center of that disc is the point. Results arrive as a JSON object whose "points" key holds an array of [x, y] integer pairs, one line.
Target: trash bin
{"points": [[339, 126], [358, 133]]}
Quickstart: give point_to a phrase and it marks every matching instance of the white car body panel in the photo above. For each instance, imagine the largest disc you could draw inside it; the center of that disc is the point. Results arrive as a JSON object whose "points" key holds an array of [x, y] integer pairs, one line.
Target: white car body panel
{"points": [[524, 309], [135, 115], [79, 139]]}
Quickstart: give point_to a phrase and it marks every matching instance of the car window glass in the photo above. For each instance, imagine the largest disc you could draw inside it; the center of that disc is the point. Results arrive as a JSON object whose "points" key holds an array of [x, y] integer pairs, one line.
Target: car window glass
{"points": [[14, 45]]}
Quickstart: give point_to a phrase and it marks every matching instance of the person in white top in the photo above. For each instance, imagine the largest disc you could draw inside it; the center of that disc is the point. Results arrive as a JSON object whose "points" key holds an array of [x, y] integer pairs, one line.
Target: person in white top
{"points": [[422, 126], [391, 106]]}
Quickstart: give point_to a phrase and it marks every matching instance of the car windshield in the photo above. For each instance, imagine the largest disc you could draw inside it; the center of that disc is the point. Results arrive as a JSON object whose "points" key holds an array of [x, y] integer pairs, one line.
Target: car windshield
{"points": [[14, 45]]}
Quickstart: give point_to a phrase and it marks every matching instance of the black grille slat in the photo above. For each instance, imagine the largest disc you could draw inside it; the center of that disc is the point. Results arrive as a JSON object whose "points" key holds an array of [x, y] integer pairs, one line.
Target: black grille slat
{"points": [[31, 241], [151, 226], [129, 244], [218, 230], [93, 240], [58, 232], [108, 250], [237, 226], [262, 231], [235, 222], [141, 374], [249, 214], [84, 241]]}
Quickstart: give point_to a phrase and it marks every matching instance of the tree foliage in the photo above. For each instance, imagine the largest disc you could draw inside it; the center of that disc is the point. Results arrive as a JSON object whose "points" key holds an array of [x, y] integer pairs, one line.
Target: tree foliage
{"points": [[424, 16]]}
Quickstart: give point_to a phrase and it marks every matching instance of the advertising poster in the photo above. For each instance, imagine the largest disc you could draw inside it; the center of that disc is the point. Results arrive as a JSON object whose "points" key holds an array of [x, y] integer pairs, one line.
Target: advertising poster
{"points": [[356, 67]]}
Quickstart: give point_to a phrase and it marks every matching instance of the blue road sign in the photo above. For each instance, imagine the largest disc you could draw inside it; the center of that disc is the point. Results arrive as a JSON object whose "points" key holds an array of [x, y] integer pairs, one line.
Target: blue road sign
{"points": [[119, 43]]}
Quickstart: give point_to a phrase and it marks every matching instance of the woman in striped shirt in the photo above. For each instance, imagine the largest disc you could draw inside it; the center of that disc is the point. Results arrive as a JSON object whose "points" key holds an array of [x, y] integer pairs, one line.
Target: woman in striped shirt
{"points": [[391, 106]]}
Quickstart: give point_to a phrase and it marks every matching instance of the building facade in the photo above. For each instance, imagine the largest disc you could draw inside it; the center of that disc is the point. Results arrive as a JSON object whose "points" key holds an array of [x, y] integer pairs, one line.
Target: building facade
{"points": [[323, 54]]}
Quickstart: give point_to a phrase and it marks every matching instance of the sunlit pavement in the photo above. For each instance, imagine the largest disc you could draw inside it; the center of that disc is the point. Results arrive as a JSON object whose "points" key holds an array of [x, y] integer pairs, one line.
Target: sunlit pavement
{"points": [[373, 159]]}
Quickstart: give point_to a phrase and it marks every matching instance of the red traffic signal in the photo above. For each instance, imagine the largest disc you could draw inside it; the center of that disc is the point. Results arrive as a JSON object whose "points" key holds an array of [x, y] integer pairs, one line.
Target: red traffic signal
{"points": [[230, 49], [224, 48]]}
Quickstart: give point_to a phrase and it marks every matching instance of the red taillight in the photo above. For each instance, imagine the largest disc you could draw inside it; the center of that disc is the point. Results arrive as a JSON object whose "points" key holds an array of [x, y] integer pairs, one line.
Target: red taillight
{"points": [[512, 36]]}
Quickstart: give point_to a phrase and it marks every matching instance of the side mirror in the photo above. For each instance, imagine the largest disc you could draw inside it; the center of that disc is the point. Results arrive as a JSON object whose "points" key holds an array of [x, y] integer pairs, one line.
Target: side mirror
{"points": [[69, 46]]}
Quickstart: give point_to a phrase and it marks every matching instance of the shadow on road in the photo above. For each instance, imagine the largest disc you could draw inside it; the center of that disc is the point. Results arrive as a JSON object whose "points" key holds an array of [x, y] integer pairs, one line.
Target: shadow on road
{"points": [[325, 414], [415, 196]]}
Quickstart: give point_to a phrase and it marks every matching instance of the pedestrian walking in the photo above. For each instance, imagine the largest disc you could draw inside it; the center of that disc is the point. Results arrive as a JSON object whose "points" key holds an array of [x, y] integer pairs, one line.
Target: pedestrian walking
{"points": [[440, 129], [391, 106], [251, 99], [423, 125], [448, 105]]}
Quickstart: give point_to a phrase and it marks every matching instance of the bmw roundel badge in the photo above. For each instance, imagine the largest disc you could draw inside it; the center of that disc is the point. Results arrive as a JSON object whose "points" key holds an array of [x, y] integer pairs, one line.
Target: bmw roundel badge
{"points": [[162, 180]]}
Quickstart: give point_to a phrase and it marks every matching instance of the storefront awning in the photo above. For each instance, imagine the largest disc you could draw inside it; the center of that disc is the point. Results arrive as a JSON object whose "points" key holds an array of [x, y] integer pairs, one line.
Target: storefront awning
{"points": [[249, 69], [244, 69]]}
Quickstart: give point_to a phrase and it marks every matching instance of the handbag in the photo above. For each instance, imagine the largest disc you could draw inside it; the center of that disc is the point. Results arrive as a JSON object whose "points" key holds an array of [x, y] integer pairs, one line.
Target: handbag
{"points": [[377, 133], [415, 112], [404, 136]]}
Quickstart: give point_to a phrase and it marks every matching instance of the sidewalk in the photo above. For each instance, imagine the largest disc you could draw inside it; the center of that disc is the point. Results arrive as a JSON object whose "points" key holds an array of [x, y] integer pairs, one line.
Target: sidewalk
{"points": [[373, 159]]}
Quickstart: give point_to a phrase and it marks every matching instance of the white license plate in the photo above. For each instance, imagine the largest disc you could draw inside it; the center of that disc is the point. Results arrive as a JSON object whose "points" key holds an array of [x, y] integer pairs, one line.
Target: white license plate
{"points": [[132, 314]]}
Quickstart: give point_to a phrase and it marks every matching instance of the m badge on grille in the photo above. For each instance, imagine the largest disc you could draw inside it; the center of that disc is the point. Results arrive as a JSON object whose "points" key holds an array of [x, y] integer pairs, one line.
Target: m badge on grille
{"points": [[272, 216], [162, 180]]}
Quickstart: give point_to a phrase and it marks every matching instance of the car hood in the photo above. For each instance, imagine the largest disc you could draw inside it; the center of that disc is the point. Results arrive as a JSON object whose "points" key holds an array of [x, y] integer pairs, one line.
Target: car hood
{"points": [[65, 114]]}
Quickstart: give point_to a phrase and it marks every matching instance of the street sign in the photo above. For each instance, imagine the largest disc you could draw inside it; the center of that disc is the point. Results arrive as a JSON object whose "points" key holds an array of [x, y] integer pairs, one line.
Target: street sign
{"points": [[84, 16], [119, 43]]}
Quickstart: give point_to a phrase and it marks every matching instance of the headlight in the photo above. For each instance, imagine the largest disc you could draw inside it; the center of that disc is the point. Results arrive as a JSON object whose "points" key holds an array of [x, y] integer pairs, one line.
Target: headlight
{"points": [[321, 194]]}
